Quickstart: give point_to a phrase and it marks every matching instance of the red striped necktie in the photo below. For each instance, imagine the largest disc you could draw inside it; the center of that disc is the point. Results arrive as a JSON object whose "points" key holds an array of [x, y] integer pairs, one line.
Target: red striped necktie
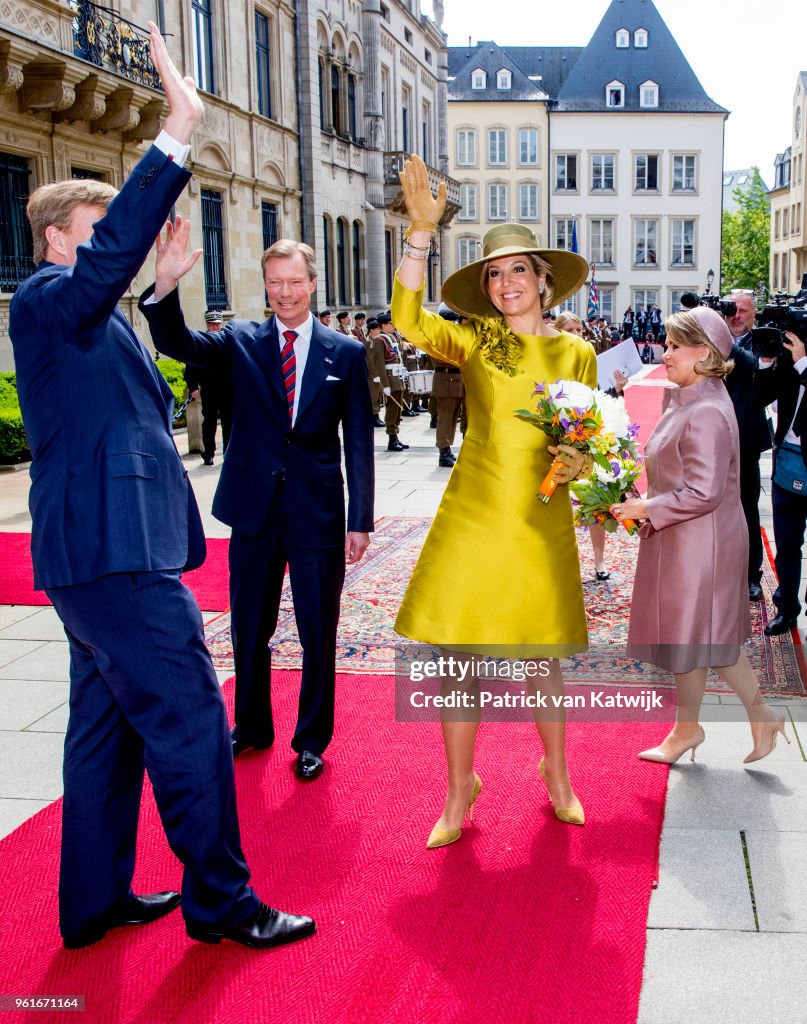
{"points": [[288, 365]]}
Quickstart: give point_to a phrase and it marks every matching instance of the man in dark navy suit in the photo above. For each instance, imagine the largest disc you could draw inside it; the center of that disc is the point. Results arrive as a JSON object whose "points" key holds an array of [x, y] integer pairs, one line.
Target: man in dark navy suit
{"points": [[295, 384], [114, 521]]}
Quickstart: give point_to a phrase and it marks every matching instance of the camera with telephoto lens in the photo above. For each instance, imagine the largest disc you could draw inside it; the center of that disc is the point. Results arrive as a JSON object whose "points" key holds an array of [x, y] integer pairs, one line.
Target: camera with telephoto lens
{"points": [[786, 313], [725, 307]]}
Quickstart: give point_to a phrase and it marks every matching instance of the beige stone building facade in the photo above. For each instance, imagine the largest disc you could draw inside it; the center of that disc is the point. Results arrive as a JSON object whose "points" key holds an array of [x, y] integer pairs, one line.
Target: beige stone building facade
{"points": [[78, 98], [789, 203], [373, 78]]}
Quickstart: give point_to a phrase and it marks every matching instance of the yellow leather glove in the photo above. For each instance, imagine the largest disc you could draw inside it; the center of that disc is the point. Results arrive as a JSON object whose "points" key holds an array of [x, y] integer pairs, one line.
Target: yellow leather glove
{"points": [[423, 208]]}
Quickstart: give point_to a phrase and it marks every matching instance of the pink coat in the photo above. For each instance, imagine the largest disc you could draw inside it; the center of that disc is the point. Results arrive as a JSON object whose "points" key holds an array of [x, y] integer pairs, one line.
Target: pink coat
{"points": [[690, 595]]}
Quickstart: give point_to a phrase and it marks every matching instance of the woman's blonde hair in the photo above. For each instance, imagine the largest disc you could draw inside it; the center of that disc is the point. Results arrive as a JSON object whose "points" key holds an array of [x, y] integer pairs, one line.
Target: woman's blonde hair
{"points": [[685, 330], [539, 267], [567, 317]]}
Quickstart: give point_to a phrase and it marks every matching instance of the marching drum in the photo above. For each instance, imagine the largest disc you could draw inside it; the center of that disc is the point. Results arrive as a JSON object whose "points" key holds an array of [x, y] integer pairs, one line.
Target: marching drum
{"points": [[420, 382], [396, 370]]}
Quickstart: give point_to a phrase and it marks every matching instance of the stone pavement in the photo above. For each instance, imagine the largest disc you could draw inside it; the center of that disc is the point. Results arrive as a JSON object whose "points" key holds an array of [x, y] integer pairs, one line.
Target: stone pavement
{"points": [[726, 929]]}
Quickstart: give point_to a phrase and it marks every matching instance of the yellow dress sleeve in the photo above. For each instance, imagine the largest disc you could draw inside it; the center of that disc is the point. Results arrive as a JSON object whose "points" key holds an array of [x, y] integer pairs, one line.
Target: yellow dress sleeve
{"points": [[589, 374], [446, 341]]}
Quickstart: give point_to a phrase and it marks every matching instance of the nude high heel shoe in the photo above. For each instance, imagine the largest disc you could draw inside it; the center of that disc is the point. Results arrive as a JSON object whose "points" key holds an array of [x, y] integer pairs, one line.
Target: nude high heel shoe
{"points": [[660, 757], [765, 735], [574, 815], [444, 836]]}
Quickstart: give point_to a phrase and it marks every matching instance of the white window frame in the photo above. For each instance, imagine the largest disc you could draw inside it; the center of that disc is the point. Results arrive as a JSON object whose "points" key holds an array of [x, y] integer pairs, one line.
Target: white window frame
{"points": [[566, 157], [610, 91], [479, 79], [675, 297], [466, 138], [679, 244], [648, 94], [526, 138], [682, 176], [498, 200], [562, 228], [622, 39], [504, 79], [531, 209], [637, 187], [645, 301], [469, 201], [607, 296], [598, 170], [601, 241], [640, 38], [649, 237], [569, 305], [467, 250], [497, 138]]}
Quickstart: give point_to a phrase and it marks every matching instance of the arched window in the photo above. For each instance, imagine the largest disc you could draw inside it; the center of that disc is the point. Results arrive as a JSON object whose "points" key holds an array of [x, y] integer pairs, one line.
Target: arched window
{"points": [[351, 107], [336, 100], [341, 260], [615, 94], [357, 289], [328, 254], [479, 79], [648, 94], [504, 79]]}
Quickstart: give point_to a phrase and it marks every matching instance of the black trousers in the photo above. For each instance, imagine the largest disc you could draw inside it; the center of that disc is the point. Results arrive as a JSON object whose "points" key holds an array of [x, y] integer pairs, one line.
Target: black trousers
{"points": [[216, 402], [749, 496], [789, 519], [257, 568], [143, 694]]}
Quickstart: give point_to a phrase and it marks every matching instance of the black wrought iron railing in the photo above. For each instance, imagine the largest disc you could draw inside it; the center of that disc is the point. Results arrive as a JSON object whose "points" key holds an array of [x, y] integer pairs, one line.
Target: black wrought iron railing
{"points": [[102, 37]]}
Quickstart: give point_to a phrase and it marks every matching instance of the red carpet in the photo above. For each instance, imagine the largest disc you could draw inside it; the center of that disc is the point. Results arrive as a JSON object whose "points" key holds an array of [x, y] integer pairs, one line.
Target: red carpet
{"points": [[644, 408], [209, 583], [659, 373], [524, 921]]}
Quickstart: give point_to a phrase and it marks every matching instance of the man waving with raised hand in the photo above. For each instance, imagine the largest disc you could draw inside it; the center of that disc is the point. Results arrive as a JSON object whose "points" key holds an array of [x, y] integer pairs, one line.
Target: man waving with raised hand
{"points": [[114, 523]]}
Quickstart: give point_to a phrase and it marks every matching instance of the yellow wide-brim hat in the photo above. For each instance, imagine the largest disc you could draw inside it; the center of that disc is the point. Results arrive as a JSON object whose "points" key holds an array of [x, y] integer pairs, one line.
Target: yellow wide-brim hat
{"points": [[463, 290]]}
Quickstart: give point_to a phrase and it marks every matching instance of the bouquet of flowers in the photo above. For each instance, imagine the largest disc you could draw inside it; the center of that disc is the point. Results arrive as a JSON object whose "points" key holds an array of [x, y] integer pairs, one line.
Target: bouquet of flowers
{"points": [[617, 467], [568, 413]]}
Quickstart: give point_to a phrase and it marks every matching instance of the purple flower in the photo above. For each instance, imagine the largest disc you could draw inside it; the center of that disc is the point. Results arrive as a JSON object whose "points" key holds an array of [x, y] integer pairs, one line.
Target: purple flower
{"points": [[633, 431], [539, 388], [560, 394], [615, 467], [565, 423]]}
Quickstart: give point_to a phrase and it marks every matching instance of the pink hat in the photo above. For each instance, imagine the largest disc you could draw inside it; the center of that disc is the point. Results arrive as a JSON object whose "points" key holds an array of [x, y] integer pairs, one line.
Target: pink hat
{"points": [[714, 327]]}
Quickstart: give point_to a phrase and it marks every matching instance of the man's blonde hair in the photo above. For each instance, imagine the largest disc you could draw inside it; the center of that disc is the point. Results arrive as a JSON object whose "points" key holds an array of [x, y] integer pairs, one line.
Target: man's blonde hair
{"points": [[56, 203]]}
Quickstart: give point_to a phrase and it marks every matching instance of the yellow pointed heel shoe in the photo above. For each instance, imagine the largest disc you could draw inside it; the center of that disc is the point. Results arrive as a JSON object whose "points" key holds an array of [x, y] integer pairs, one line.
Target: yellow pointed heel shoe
{"points": [[574, 815], [443, 836]]}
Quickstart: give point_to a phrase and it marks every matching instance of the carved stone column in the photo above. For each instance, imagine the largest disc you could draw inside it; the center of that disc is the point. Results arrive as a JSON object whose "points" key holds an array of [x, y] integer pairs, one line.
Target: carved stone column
{"points": [[375, 255]]}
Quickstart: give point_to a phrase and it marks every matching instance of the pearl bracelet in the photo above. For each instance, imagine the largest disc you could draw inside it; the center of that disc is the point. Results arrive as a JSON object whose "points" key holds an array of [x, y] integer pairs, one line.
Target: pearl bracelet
{"points": [[415, 252]]}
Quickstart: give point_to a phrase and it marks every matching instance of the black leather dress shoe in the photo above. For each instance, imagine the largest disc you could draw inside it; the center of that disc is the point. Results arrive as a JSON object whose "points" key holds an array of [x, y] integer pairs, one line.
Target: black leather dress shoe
{"points": [[754, 592], [132, 910], [394, 445], [207, 461], [779, 625], [262, 930], [239, 745], [309, 765], [378, 422]]}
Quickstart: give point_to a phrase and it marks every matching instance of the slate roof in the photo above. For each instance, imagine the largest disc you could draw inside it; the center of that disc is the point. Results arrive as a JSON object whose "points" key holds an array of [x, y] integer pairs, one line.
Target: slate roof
{"points": [[601, 62], [491, 58]]}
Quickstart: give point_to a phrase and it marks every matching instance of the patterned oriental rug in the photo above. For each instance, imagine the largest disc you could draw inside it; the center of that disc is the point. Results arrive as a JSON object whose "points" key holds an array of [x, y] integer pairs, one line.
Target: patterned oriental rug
{"points": [[374, 589]]}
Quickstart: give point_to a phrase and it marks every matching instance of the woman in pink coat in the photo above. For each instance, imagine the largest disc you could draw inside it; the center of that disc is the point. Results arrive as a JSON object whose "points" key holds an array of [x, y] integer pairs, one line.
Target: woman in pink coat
{"points": [[689, 610]]}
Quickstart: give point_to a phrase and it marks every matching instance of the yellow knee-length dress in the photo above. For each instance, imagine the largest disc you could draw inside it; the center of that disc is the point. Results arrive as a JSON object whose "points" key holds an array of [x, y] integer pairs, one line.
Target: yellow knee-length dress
{"points": [[499, 570]]}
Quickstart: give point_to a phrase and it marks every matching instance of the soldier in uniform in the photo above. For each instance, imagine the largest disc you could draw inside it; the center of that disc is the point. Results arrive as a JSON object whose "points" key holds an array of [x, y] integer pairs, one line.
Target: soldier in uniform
{"points": [[343, 323], [448, 392], [377, 373], [360, 327], [394, 387]]}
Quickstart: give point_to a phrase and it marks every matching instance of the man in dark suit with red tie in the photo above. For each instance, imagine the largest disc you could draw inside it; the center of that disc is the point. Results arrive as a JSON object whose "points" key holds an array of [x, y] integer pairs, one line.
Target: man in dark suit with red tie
{"points": [[295, 384], [114, 522]]}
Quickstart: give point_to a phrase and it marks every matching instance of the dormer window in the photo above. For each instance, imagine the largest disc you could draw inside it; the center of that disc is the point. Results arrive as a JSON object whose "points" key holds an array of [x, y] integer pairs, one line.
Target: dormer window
{"points": [[648, 94], [622, 39], [640, 38], [504, 79], [615, 94], [479, 79]]}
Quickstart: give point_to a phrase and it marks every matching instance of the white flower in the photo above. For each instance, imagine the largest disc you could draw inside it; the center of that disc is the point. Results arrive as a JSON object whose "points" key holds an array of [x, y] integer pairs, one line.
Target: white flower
{"points": [[615, 418], [571, 394]]}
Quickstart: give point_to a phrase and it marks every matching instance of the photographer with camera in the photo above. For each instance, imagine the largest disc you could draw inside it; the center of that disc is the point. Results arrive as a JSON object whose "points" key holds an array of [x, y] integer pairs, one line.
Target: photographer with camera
{"points": [[785, 383], [755, 434]]}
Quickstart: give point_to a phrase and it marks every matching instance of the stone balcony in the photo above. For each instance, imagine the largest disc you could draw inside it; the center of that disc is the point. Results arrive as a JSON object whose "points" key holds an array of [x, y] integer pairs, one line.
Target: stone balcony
{"points": [[80, 62], [393, 194]]}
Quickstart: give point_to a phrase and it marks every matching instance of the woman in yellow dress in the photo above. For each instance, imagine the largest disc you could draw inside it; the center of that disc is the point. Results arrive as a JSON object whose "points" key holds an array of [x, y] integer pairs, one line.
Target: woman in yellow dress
{"points": [[499, 572]]}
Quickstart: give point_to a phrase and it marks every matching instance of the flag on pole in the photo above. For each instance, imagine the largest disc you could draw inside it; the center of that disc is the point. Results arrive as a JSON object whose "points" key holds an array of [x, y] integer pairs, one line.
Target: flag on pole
{"points": [[593, 295], [574, 237]]}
